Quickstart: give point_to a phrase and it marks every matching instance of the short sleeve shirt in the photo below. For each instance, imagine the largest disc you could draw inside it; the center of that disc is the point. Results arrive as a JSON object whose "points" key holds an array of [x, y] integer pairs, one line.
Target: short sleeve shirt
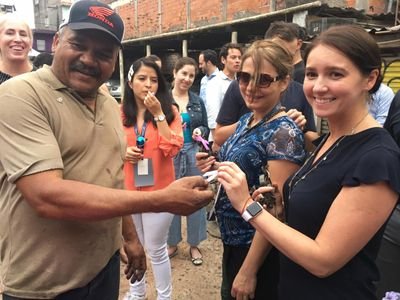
{"points": [[251, 149], [45, 126], [367, 157], [233, 105]]}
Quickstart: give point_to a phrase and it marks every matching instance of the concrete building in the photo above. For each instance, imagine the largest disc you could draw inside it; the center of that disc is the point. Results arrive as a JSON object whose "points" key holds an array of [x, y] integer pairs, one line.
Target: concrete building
{"points": [[48, 15], [169, 28], [6, 7]]}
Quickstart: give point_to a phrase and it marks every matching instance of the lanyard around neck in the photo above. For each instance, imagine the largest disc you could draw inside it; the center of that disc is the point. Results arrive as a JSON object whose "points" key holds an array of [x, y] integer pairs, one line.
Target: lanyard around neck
{"points": [[140, 139], [143, 132], [245, 129], [276, 109]]}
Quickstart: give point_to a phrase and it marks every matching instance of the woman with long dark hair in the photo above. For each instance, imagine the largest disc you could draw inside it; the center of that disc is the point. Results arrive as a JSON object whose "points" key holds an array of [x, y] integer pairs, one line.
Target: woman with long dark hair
{"points": [[338, 202], [154, 136]]}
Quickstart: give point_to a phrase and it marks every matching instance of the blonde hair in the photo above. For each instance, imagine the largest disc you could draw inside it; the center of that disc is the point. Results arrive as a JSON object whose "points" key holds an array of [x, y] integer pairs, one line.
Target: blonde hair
{"points": [[4, 19]]}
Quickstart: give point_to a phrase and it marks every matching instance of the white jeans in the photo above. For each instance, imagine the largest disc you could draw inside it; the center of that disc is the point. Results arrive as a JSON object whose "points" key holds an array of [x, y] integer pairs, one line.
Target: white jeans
{"points": [[152, 229]]}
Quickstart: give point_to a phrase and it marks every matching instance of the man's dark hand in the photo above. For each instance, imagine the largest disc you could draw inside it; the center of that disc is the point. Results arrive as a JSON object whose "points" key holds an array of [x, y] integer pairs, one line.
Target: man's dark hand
{"points": [[186, 195], [136, 260]]}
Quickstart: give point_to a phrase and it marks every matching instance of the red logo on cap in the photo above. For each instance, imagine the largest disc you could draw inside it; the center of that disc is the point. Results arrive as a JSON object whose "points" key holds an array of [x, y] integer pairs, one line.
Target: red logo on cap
{"points": [[101, 13]]}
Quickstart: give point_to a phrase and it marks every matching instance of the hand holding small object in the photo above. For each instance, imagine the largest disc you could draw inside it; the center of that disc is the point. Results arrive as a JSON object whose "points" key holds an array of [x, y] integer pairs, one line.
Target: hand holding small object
{"points": [[205, 162], [133, 154], [271, 200], [152, 104], [211, 176], [204, 145], [234, 182], [196, 132]]}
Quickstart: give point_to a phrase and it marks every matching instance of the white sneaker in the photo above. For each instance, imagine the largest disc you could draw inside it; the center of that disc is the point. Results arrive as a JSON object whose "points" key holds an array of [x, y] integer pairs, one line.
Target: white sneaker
{"points": [[130, 296]]}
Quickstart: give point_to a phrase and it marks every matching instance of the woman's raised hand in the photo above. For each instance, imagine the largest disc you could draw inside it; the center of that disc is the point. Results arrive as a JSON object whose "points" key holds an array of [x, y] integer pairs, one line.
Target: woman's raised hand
{"points": [[152, 104], [297, 117], [235, 184]]}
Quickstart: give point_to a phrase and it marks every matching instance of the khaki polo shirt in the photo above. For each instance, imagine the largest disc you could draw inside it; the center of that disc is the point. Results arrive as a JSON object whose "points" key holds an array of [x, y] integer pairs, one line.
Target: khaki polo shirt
{"points": [[45, 126]]}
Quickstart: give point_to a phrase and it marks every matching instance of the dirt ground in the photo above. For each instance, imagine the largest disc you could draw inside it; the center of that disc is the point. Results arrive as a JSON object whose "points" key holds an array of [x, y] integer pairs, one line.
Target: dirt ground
{"points": [[189, 282]]}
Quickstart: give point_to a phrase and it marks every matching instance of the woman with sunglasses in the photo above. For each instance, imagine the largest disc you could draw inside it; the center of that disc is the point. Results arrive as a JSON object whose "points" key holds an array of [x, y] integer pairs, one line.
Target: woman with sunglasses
{"points": [[338, 202], [154, 136], [15, 44], [265, 138]]}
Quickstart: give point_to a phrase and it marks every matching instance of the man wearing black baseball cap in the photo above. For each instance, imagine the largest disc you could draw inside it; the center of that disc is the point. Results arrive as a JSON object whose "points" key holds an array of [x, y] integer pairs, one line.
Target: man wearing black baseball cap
{"points": [[95, 15], [61, 172]]}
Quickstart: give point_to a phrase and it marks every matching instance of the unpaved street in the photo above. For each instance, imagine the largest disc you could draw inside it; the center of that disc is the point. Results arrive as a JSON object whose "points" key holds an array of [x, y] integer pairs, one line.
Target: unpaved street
{"points": [[190, 282]]}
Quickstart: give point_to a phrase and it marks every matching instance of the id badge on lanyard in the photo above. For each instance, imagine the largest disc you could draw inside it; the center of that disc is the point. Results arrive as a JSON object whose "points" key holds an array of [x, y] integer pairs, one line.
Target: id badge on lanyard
{"points": [[143, 169]]}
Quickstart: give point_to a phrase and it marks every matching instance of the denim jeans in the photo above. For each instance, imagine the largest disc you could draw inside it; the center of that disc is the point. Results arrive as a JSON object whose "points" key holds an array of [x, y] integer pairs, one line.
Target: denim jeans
{"points": [[185, 165], [105, 286]]}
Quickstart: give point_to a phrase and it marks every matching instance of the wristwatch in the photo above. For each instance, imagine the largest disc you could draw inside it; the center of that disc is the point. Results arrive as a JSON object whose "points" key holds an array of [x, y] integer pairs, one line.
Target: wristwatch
{"points": [[252, 211], [159, 118]]}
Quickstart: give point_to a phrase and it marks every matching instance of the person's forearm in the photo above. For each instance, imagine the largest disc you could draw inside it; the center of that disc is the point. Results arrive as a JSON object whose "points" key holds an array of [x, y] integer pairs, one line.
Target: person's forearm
{"points": [[80, 201], [258, 251], [72, 200], [168, 130], [291, 243], [164, 130]]}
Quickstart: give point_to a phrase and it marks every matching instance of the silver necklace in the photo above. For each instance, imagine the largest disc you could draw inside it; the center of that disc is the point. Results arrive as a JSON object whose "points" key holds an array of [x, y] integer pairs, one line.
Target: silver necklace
{"points": [[353, 130], [295, 179], [324, 157]]}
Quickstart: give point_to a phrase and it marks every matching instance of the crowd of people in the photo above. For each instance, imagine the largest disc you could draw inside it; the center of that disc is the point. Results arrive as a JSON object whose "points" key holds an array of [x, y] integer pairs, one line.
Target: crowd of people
{"points": [[86, 182]]}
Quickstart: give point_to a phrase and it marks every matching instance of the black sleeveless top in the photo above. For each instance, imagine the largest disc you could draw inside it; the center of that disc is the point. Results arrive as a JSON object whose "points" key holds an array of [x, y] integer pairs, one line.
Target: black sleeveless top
{"points": [[5, 76]]}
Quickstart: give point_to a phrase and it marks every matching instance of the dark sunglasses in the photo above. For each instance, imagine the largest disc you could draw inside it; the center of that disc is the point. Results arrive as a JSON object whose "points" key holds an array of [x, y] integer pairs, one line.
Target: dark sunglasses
{"points": [[264, 80]]}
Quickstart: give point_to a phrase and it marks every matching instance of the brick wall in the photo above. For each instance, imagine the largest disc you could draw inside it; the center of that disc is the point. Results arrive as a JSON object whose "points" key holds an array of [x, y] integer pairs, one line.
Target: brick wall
{"points": [[203, 13], [237, 10], [185, 14], [147, 16], [376, 6], [173, 15]]}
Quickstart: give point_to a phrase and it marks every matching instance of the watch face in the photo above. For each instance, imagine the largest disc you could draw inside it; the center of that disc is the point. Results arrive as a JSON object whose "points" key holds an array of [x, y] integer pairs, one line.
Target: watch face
{"points": [[254, 209], [160, 118]]}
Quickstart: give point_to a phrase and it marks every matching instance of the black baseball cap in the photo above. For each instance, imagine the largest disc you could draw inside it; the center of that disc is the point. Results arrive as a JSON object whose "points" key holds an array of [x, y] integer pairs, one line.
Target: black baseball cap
{"points": [[89, 14]]}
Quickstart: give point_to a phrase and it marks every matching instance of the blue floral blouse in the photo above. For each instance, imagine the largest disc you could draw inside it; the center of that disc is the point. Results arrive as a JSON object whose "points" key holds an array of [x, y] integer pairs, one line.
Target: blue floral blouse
{"points": [[251, 149]]}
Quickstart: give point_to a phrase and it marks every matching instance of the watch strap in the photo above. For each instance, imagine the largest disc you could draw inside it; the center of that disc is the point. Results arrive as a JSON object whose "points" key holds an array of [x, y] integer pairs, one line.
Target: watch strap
{"points": [[159, 118], [252, 211]]}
